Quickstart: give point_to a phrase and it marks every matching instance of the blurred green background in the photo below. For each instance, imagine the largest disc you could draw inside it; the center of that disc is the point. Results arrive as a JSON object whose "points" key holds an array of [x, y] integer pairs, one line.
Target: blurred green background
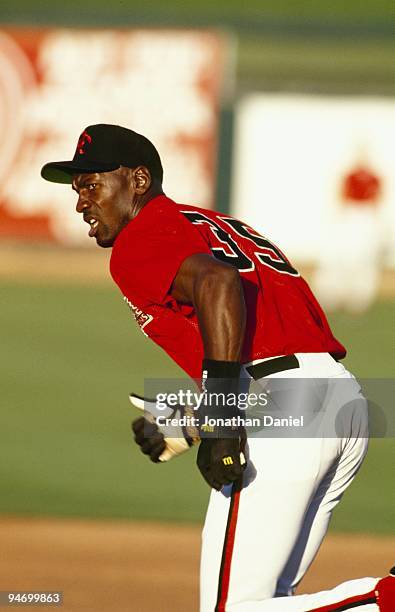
{"points": [[71, 355]]}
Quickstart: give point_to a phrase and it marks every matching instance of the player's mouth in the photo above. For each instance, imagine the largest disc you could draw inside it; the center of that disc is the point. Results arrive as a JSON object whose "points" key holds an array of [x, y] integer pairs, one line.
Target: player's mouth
{"points": [[94, 223]]}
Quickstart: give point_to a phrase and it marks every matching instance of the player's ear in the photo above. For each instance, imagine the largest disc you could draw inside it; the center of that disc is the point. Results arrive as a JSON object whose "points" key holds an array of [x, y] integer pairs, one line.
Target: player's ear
{"points": [[142, 179]]}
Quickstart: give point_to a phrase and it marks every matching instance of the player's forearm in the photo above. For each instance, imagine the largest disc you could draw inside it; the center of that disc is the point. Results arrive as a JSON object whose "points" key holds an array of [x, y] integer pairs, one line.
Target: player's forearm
{"points": [[215, 290], [221, 311], [220, 306]]}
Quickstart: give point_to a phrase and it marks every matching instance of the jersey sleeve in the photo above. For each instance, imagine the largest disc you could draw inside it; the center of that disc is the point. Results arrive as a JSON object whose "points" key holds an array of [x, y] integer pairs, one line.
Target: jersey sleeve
{"points": [[150, 253]]}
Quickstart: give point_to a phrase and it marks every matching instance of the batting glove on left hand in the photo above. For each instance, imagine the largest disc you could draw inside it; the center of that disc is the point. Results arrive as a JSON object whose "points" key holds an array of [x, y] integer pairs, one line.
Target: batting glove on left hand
{"points": [[149, 438], [161, 443]]}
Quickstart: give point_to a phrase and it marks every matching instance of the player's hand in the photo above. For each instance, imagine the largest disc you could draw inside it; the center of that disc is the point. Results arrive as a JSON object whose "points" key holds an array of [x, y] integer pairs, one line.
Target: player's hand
{"points": [[220, 461], [149, 438], [178, 439]]}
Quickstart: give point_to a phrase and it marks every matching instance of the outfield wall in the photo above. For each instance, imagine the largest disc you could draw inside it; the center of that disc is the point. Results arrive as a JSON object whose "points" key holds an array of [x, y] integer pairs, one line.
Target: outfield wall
{"points": [[291, 154]]}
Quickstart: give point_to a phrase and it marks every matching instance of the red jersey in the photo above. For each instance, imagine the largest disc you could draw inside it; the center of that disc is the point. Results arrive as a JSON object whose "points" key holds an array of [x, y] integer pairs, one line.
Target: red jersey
{"points": [[283, 316]]}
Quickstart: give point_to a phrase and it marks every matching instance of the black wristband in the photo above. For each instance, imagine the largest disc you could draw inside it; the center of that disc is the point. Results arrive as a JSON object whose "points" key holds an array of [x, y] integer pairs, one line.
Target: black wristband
{"points": [[220, 381], [212, 368]]}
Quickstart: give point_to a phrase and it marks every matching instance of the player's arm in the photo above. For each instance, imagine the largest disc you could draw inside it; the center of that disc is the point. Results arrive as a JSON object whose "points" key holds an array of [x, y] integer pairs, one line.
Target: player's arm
{"points": [[215, 290]]}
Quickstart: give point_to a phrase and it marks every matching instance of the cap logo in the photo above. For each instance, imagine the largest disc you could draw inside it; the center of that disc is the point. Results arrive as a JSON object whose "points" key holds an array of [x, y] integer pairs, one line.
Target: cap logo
{"points": [[82, 141]]}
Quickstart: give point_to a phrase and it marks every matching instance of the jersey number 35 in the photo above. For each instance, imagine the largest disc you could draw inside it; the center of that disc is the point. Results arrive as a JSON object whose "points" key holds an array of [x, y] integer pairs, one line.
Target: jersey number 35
{"points": [[232, 250]]}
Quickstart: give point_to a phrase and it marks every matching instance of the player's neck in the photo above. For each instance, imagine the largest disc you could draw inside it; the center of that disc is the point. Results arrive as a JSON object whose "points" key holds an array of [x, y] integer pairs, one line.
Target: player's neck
{"points": [[154, 191]]}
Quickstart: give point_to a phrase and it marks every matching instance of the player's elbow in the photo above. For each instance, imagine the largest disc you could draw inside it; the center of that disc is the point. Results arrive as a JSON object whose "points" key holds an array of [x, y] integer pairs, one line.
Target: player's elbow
{"points": [[231, 277], [219, 280]]}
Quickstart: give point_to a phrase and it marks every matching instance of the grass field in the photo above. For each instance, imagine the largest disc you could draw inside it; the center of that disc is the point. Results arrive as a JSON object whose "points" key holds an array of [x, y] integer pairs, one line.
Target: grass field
{"points": [[69, 357]]}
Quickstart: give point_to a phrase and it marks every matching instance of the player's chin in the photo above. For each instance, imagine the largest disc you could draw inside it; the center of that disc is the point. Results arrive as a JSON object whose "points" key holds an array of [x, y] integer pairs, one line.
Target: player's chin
{"points": [[104, 241]]}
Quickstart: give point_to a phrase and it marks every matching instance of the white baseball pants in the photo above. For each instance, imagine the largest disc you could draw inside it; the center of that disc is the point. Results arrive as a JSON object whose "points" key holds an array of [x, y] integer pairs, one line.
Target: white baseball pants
{"points": [[259, 542]]}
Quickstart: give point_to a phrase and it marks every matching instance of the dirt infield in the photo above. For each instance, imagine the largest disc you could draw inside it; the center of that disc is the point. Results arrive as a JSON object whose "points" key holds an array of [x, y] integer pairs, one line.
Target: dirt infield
{"points": [[106, 566]]}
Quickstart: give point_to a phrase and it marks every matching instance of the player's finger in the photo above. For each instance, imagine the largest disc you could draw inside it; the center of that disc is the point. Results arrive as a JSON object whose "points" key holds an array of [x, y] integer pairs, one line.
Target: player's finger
{"points": [[157, 451], [211, 479], [223, 480], [138, 424], [143, 429], [228, 473], [208, 474], [141, 424], [150, 444], [140, 438]]}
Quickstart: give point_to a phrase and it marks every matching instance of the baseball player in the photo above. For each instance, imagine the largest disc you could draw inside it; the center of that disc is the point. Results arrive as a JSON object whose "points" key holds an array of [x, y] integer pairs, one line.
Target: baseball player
{"points": [[227, 305]]}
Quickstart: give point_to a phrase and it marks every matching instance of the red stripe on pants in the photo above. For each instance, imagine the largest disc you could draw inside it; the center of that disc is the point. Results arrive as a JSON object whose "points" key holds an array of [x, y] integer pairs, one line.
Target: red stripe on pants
{"points": [[227, 553], [348, 604]]}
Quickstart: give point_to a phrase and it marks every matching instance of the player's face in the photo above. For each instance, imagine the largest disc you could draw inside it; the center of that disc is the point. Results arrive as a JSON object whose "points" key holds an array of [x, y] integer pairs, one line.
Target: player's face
{"points": [[106, 200]]}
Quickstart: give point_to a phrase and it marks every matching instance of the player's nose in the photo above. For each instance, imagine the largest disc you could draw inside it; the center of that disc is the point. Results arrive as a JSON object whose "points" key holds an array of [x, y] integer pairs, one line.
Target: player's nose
{"points": [[82, 203]]}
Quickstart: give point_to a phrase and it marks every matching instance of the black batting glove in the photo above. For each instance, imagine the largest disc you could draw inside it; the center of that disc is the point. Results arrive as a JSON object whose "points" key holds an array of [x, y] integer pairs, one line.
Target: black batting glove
{"points": [[220, 458], [219, 462], [149, 438]]}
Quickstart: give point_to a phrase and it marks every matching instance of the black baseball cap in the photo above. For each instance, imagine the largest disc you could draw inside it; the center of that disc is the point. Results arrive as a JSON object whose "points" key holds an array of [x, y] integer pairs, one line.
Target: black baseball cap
{"points": [[103, 148]]}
